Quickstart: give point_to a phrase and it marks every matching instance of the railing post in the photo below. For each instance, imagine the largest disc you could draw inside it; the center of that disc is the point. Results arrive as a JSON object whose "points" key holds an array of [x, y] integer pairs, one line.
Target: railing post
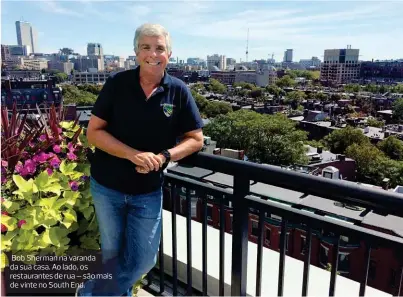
{"points": [[239, 237]]}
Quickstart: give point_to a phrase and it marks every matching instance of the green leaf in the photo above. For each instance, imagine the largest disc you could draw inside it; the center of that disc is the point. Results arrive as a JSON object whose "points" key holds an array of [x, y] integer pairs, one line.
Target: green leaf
{"points": [[29, 225], [4, 260], [11, 206], [88, 212], [70, 214], [67, 169], [66, 125], [23, 185], [47, 202], [25, 236], [6, 240], [9, 222], [53, 188], [71, 196], [54, 236], [17, 246], [42, 180]]}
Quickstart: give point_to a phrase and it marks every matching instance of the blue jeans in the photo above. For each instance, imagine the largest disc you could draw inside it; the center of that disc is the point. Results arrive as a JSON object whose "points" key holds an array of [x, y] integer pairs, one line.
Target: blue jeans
{"points": [[130, 230]]}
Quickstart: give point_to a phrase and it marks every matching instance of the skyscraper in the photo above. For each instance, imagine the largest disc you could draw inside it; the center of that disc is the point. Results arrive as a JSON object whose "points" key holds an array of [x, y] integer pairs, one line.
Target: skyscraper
{"points": [[26, 35], [95, 50], [288, 56]]}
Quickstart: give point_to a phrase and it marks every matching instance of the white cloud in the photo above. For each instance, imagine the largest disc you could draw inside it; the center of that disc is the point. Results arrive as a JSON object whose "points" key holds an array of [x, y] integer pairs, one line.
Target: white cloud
{"points": [[56, 7]]}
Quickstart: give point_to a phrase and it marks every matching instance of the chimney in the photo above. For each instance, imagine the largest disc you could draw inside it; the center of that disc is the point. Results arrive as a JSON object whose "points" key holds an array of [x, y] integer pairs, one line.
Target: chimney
{"points": [[319, 150], [385, 184], [217, 151], [342, 157]]}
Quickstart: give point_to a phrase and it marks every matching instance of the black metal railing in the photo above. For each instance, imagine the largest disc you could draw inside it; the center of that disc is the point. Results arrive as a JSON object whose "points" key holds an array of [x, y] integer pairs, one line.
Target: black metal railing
{"points": [[381, 201]]}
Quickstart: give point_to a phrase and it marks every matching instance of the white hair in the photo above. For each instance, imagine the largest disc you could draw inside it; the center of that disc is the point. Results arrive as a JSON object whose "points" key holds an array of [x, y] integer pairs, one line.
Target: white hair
{"points": [[151, 30]]}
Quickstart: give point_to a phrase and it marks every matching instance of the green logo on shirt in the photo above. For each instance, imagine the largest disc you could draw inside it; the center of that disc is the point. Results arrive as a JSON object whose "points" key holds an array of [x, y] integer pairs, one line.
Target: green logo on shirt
{"points": [[168, 109]]}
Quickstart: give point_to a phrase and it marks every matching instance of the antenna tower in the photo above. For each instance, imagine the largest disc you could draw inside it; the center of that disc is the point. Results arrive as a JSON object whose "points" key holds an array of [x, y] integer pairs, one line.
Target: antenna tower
{"points": [[247, 45]]}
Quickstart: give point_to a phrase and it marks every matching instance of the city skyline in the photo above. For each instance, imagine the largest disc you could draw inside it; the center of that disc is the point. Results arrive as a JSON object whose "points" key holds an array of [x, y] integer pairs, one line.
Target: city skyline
{"points": [[201, 28]]}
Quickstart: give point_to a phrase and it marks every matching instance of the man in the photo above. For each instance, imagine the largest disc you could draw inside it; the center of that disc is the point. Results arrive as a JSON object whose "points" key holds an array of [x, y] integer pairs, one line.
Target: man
{"points": [[135, 125]]}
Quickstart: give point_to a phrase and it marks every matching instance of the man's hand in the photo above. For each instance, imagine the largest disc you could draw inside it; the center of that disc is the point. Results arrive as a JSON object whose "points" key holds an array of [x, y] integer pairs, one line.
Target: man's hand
{"points": [[144, 170], [148, 161]]}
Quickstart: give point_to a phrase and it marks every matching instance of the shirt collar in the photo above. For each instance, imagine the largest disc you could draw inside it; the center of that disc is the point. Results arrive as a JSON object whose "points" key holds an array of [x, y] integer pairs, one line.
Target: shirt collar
{"points": [[165, 81]]}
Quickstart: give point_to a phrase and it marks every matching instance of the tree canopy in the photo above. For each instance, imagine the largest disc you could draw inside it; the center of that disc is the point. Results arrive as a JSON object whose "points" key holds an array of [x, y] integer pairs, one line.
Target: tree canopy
{"points": [[271, 139], [397, 110], [210, 109], [285, 81], [339, 140], [392, 147]]}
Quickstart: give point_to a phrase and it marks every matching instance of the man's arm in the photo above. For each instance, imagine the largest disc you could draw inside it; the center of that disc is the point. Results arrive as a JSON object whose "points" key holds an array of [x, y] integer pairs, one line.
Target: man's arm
{"points": [[192, 142]]}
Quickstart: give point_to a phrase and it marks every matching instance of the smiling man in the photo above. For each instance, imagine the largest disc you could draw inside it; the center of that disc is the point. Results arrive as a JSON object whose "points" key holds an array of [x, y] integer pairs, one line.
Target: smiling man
{"points": [[135, 125]]}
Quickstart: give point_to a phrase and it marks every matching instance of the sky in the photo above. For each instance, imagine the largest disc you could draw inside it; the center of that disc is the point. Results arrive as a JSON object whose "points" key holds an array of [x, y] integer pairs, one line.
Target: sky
{"points": [[201, 28]]}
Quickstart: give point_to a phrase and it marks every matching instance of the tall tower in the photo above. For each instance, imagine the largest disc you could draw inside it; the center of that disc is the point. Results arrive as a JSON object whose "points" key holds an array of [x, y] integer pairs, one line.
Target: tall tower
{"points": [[247, 45], [26, 35]]}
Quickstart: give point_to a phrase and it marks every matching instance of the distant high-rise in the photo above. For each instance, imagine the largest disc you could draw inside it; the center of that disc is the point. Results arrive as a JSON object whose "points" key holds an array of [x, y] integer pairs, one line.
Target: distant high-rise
{"points": [[95, 50], [288, 56], [340, 65], [216, 61], [26, 35]]}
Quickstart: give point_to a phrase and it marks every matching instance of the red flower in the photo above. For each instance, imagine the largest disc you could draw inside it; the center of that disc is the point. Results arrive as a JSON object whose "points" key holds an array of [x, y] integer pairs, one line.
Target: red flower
{"points": [[21, 222], [3, 228]]}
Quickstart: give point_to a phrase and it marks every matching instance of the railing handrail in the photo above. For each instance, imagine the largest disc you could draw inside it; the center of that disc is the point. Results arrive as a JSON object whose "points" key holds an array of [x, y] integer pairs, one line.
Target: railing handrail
{"points": [[386, 202]]}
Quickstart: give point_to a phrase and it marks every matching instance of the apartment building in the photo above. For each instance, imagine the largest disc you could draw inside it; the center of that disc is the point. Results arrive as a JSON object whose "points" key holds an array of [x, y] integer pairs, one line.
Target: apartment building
{"points": [[90, 77], [340, 65]]}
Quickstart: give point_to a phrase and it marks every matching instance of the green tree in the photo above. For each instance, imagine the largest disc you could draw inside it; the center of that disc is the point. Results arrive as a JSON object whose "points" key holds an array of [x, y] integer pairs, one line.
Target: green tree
{"points": [[392, 147], [375, 123], [73, 95], [340, 139], [368, 159], [373, 166], [285, 81], [270, 139], [256, 93], [274, 90], [321, 96], [217, 87], [397, 89], [210, 109], [372, 88], [295, 98], [397, 110], [61, 77], [352, 88]]}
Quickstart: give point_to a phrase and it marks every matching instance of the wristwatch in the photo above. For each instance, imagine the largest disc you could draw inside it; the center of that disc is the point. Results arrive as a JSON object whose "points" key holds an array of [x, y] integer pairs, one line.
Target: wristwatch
{"points": [[167, 156]]}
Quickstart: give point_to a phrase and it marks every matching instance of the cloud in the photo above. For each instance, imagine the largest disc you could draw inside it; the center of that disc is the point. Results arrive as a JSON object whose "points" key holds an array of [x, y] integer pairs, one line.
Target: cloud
{"points": [[56, 7]]}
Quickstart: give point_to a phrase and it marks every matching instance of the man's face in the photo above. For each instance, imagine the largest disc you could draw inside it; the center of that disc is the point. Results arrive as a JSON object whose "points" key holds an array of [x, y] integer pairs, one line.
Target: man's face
{"points": [[152, 54]]}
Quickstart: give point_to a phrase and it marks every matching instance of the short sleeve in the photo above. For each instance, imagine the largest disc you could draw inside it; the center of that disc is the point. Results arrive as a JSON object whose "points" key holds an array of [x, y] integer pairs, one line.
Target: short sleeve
{"points": [[103, 105], [189, 115]]}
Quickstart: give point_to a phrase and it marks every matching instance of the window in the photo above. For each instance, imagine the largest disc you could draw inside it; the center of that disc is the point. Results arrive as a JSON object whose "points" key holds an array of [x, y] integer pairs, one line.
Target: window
{"points": [[303, 245], [193, 210], [372, 269], [231, 221], [324, 256], [209, 212], [255, 228], [393, 277], [268, 236], [286, 240], [344, 263]]}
